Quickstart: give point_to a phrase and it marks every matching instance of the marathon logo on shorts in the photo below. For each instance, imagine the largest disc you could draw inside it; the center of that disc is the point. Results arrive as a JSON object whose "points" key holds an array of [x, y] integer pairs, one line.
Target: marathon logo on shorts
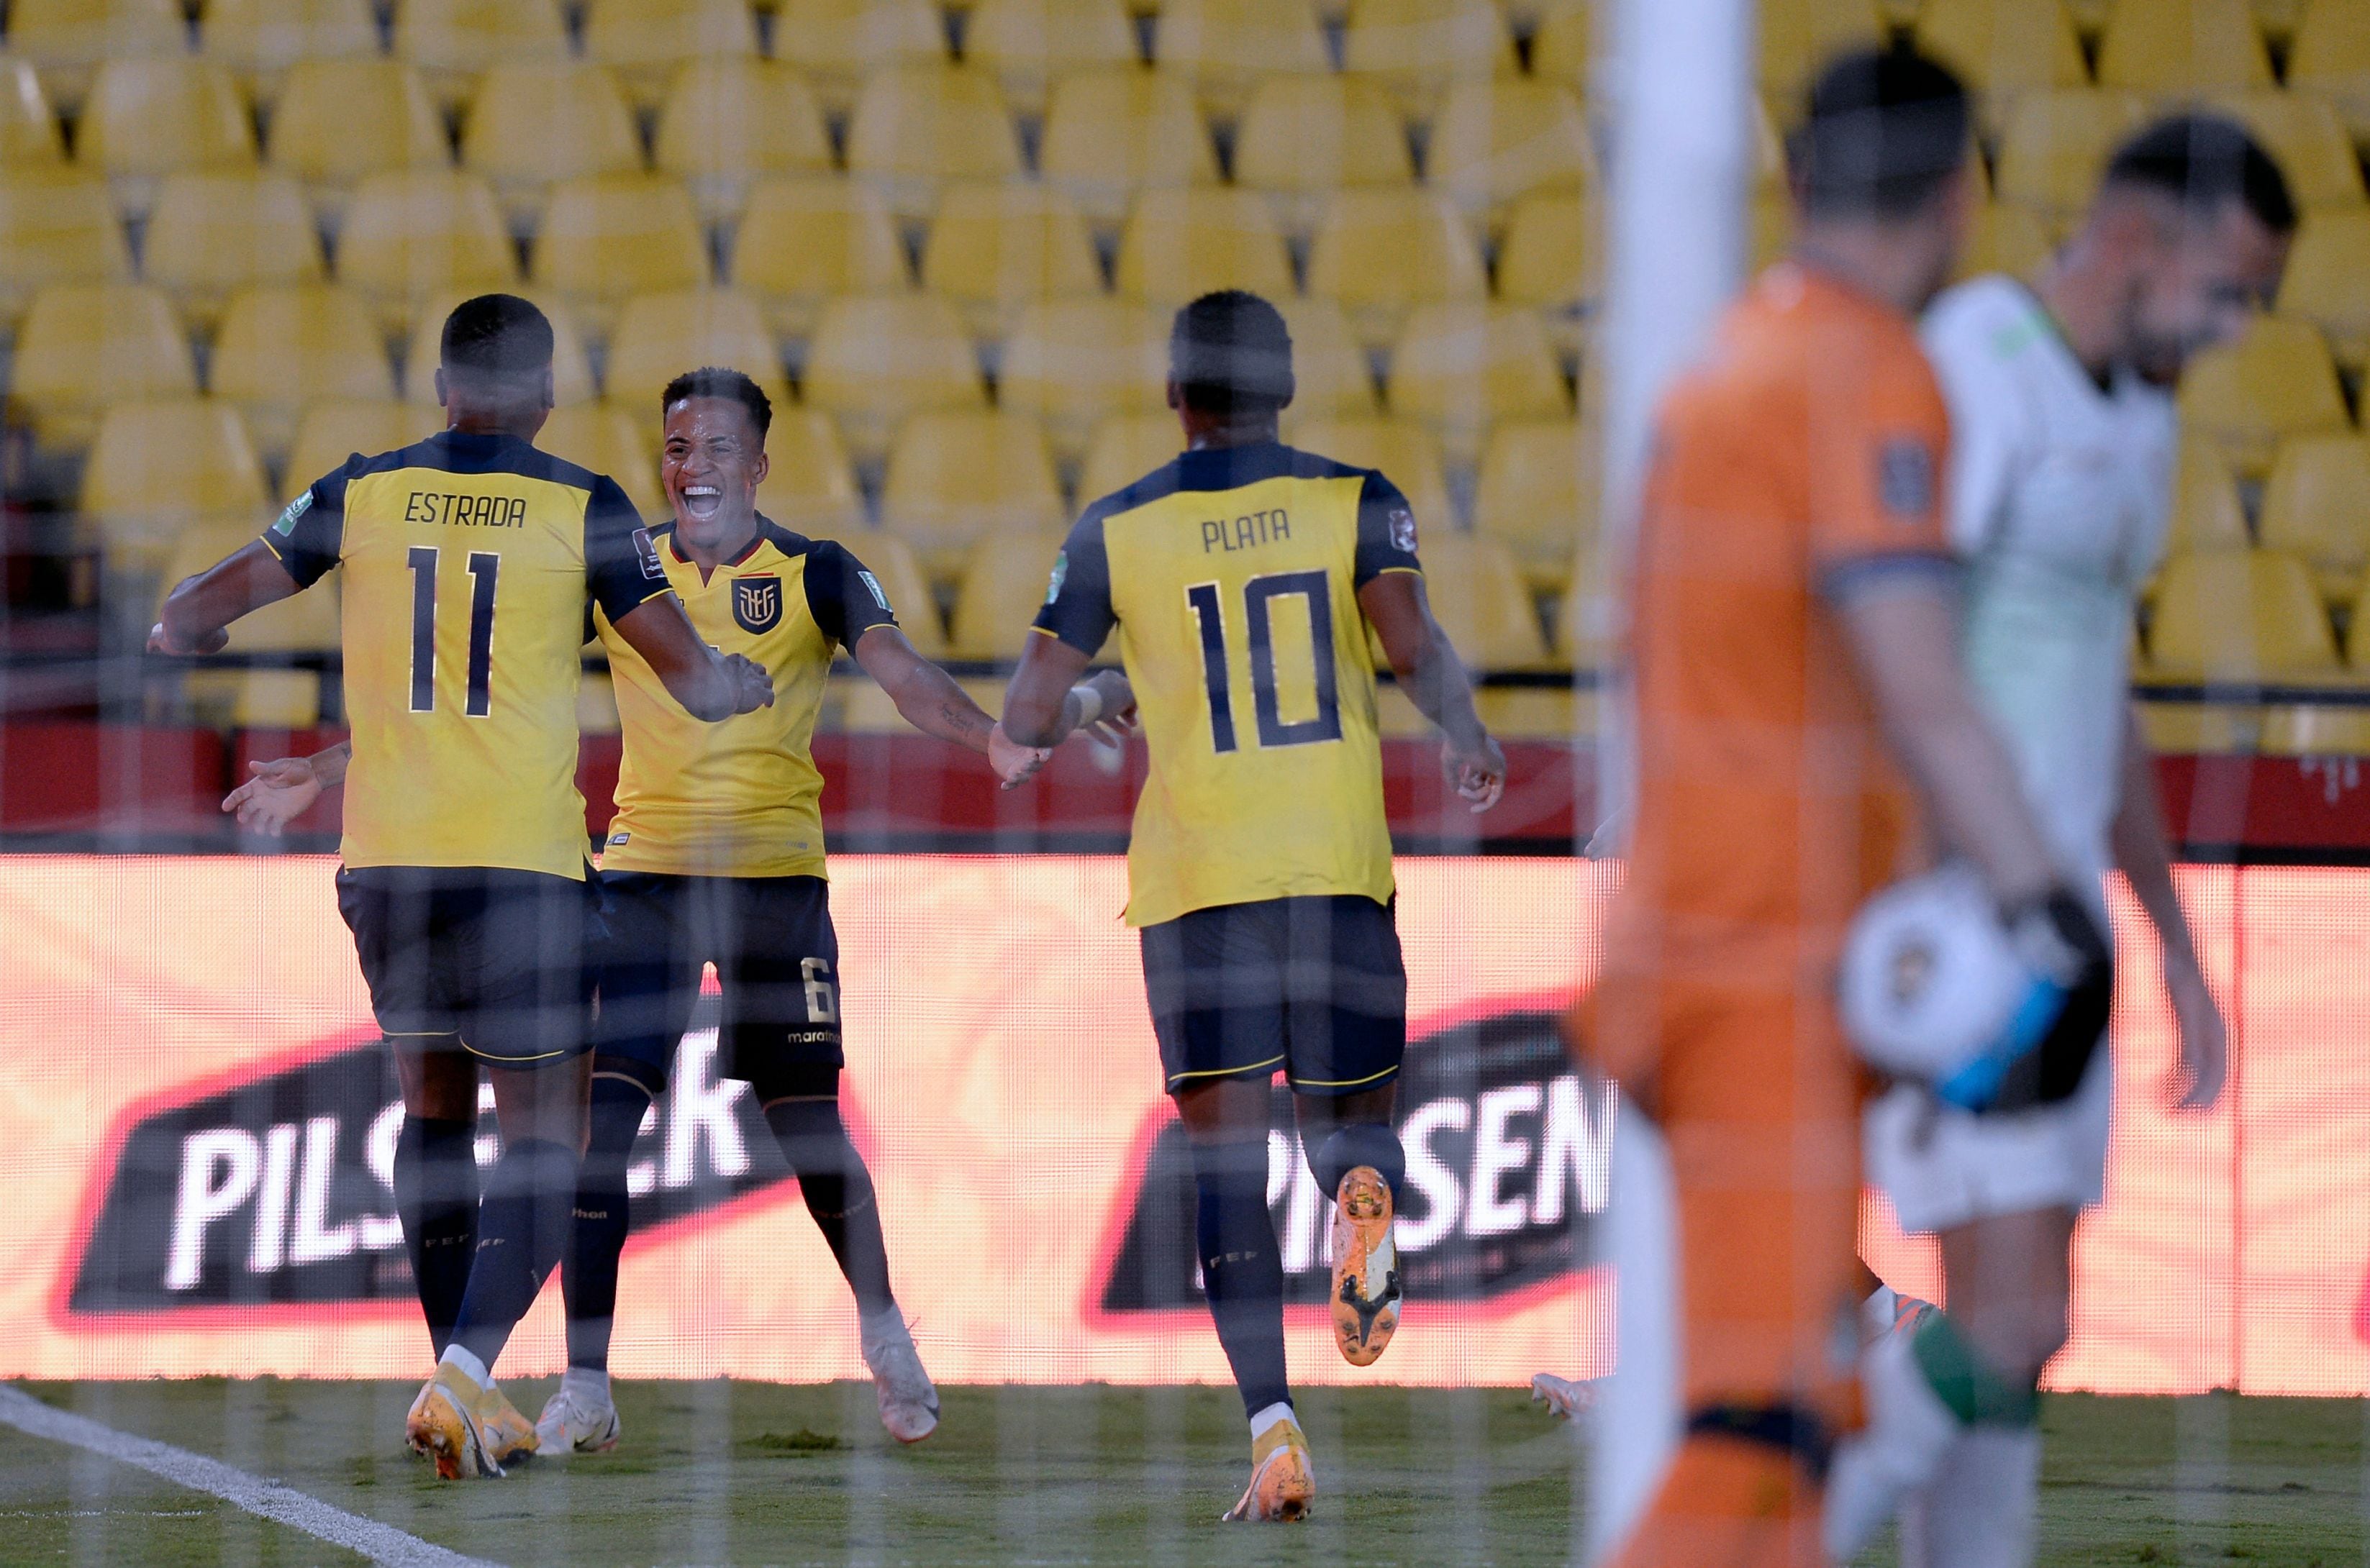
{"points": [[757, 603], [1508, 1158], [1905, 480], [282, 1190]]}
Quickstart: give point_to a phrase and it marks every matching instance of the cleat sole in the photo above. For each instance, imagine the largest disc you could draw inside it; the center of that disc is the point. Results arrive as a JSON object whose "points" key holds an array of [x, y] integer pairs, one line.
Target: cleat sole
{"points": [[1363, 1318]]}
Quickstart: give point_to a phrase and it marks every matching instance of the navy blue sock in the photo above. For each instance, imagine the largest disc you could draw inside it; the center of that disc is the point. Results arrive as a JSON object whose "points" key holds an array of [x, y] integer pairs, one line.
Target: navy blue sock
{"points": [[838, 1193], [597, 1228], [1356, 1144], [1242, 1273], [436, 1198], [523, 1225]]}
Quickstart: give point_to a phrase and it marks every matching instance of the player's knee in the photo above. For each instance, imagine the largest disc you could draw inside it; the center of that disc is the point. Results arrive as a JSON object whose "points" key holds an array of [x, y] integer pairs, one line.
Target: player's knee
{"points": [[620, 1101]]}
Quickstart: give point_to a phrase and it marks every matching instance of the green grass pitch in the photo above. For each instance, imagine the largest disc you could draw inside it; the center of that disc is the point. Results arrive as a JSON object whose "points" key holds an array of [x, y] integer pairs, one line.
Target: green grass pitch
{"points": [[721, 1472]]}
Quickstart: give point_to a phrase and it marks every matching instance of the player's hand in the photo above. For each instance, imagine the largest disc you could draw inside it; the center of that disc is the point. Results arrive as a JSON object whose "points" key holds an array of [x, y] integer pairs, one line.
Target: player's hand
{"points": [[1118, 719], [279, 792], [1478, 772], [2196, 1081], [161, 641], [752, 687], [1014, 764]]}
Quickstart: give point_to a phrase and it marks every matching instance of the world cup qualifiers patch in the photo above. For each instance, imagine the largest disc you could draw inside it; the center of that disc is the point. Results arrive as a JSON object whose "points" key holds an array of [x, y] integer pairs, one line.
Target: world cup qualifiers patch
{"points": [[1905, 480], [648, 553], [296, 508], [1402, 528], [1061, 575], [873, 584], [757, 603]]}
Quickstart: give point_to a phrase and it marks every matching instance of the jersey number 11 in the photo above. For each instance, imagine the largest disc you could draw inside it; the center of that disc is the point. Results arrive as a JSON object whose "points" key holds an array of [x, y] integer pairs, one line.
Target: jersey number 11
{"points": [[485, 571], [1260, 595]]}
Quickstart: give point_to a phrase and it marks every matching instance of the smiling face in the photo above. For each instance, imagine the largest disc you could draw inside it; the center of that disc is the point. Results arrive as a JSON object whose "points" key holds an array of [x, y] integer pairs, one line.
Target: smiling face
{"points": [[2195, 281], [714, 461]]}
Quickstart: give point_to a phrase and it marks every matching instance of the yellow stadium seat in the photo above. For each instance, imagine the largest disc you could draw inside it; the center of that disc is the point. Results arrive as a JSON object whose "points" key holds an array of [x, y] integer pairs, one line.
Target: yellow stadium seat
{"points": [[455, 42], [1590, 615], [996, 245], [809, 489], [1305, 137], [1496, 140], [283, 350], [1225, 47], [1550, 262], [806, 238], [1002, 584], [538, 123], [1798, 37], [67, 40], [261, 41], [1182, 244], [2239, 615], [2206, 511], [1109, 133], [214, 233], [659, 335], [2327, 282], [731, 122], [645, 40], [413, 235], [1538, 494], [1564, 47], [82, 346], [1460, 368], [339, 121], [29, 127], [2305, 137], [1415, 48], [2316, 508], [840, 43], [1125, 448], [2277, 381], [1030, 44], [2278, 19], [2014, 240], [571, 367], [1331, 377], [919, 127], [891, 564], [2178, 48], [331, 432], [57, 225], [1380, 253], [2005, 47], [609, 236], [2056, 145], [954, 479], [159, 464], [607, 439], [1477, 593], [877, 359], [149, 118], [1073, 361], [1404, 451], [2330, 60]]}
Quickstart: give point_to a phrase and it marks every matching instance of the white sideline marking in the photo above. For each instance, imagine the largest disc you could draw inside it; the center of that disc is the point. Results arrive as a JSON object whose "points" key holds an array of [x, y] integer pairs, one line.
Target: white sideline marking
{"points": [[380, 1543]]}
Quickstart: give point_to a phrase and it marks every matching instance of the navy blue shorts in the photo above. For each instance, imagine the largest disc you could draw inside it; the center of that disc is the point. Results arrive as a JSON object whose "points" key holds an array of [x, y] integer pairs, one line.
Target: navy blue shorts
{"points": [[489, 961], [774, 952], [1312, 987]]}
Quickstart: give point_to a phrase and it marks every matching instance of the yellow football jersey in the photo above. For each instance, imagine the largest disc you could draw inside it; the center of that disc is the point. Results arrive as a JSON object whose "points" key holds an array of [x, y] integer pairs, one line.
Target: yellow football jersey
{"points": [[744, 797], [468, 561], [1233, 578]]}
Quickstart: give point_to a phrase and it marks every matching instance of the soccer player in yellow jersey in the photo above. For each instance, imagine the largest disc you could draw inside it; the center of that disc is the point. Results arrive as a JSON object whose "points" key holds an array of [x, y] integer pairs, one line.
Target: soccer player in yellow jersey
{"points": [[468, 560], [1243, 579]]}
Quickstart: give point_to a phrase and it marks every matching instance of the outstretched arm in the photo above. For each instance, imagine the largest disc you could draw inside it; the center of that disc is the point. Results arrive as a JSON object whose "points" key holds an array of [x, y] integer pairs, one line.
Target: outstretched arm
{"points": [[2144, 855], [199, 609], [279, 792], [709, 685], [934, 703], [1435, 680]]}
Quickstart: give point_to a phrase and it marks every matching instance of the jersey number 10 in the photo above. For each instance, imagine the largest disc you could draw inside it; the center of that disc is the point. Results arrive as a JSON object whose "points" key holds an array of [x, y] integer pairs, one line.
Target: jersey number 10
{"points": [[1260, 595], [485, 570]]}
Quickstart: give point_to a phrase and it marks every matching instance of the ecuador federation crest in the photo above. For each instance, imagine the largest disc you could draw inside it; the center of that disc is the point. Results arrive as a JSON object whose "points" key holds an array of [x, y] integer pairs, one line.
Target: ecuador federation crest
{"points": [[757, 603]]}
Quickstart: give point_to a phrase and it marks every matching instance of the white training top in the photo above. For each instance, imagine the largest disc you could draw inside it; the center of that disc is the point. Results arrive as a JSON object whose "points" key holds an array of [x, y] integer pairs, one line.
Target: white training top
{"points": [[2060, 493]]}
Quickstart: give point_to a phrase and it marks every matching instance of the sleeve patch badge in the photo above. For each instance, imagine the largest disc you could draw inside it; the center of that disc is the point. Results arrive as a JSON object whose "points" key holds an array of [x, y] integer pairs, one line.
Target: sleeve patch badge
{"points": [[873, 584], [648, 550], [1402, 530], [1061, 576], [286, 526], [1905, 480]]}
